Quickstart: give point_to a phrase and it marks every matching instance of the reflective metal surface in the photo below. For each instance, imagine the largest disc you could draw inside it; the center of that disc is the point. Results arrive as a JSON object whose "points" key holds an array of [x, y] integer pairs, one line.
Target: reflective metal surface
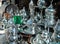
{"points": [[33, 27]]}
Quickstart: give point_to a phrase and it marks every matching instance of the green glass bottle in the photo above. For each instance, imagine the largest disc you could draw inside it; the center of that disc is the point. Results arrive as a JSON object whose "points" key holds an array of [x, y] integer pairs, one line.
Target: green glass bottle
{"points": [[17, 19]]}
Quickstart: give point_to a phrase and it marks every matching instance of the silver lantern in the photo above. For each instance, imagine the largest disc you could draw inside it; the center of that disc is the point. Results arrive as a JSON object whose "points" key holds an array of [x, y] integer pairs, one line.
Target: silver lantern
{"points": [[49, 16], [41, 4]]}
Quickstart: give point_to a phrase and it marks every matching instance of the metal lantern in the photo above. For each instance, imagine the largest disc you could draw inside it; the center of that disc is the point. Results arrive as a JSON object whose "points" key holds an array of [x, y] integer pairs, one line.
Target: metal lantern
{"points": [[49, 16], [31, 7], [41, 4], [38, 40], [57, 30], [13, 36]]}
